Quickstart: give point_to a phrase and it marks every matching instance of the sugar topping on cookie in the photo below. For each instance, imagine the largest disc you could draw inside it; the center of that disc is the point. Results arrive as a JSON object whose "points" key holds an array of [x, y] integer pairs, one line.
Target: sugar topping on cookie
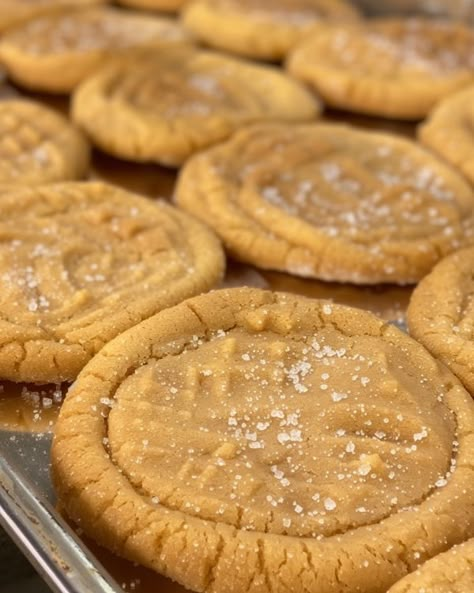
{"points": [[330, 202], [244, 430], [397, 68], [38, 145], [81, 262]]}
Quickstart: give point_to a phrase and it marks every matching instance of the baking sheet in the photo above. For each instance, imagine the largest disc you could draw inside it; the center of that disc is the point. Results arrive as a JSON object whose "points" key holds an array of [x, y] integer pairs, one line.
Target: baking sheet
{"points": [[27, 412]]}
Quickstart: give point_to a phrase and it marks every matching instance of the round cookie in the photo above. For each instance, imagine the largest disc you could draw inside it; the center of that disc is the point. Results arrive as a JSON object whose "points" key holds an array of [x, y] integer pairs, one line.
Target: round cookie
{"points": [[162, 5], [284, 442], [398, 68], [165, 106], [449, 131], [451, 572], [37, 145], [265, 29], [82, 262], [329, 201], [441, 314], [13, 12], [56, 52]]}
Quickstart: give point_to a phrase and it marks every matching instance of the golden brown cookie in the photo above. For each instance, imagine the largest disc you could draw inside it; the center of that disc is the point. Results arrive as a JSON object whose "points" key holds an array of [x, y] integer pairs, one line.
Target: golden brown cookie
{"points": [[397, 68], [56, 52], [13, 12], [449, 131], [451, 572], [265, 29], [330, 201], [37, 145], [254, 441], [441, 314], [82, 262], [165, 106], [162, 5]]}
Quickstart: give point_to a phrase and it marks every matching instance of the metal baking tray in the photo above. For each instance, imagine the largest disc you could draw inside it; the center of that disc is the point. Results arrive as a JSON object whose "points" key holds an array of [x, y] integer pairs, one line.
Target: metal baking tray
{"points": [[67, 563]]}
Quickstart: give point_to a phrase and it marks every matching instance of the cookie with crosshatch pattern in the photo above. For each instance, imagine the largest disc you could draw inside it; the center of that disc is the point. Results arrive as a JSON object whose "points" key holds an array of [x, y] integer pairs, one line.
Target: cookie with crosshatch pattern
{"points": [[37, 145], [329, 201], [449, 131], [451, 572], [13, 12], [254, 441], [265, 29], [82, 262], [166, 106], [397, 68], [441, 314], [56, 52]]}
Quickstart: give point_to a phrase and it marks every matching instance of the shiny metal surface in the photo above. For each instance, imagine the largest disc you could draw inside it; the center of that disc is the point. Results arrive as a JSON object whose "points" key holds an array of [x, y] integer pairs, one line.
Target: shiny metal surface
{"points": [[27, 514]]}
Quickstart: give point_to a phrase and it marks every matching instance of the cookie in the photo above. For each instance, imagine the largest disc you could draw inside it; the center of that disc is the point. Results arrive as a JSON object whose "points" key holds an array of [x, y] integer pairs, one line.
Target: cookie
{"points": [[82, 262], [265, 29], [163, 107], [163, 5], [56, 52], [13, 12], [37, 145], [254, 441], [441, 314], [451, 572], [398, 68], [449, 131], [329, 201]]}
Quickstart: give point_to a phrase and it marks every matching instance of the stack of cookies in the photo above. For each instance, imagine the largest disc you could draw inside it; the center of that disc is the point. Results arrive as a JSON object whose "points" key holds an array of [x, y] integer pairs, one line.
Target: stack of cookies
{"points": [[246, 440]]}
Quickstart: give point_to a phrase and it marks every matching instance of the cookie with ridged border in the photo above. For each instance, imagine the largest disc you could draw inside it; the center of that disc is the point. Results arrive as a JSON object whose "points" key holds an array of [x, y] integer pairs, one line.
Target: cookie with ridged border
{"points": [[441, 314], [82, 262], [13, 12], [161, 5], [264, 30], [254, 441], [451, 572], [396, 68], [330, 201], [166, 106], [449, 131], [56, 52], [37, 145]]}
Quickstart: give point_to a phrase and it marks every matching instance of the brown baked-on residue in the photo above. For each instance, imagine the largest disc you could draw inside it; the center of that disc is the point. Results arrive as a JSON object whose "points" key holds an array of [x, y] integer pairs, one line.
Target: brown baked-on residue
{"points": [[254, 441]]}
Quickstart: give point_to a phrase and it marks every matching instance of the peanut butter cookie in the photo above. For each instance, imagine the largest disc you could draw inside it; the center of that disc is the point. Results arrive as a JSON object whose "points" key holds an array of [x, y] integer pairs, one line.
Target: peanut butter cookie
{"points": [[451, 572], [165, 106], [82, 262], [38, 146], [13, 12], [449, 131], [56, 52], [441, 314], [330, 201], [397, 68], [254, 441], [163, 5], [265, 29]]}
